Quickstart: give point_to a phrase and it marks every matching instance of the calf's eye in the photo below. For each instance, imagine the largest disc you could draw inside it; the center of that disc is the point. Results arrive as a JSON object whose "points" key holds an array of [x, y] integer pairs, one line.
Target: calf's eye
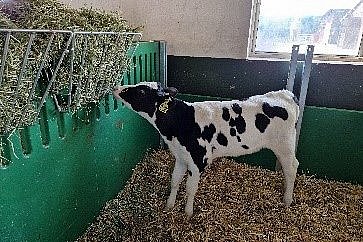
{"points": [[141, 92]]}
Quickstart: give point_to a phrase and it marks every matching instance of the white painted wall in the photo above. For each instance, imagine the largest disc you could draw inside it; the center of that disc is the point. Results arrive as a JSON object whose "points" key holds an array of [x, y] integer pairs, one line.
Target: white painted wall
{"points": [[214, 28]]}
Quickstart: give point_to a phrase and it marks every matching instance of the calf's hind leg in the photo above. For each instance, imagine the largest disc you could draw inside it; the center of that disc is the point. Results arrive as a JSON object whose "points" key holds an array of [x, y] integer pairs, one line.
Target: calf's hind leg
{"points": [[278, 165], [289, 165], [191, 188]]}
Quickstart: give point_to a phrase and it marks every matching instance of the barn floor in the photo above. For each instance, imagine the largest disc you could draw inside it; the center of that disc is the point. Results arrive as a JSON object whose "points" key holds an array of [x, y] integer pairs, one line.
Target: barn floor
{"points": [[235, 202]]}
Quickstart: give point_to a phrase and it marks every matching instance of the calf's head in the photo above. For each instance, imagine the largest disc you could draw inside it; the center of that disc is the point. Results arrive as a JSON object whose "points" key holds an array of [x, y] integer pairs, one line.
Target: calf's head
{"points": [[144, 97]]}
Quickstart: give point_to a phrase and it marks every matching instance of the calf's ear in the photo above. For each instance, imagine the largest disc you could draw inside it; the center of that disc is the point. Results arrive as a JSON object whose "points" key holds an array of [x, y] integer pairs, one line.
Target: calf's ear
{"points": [[171, 91], [161, 91]]}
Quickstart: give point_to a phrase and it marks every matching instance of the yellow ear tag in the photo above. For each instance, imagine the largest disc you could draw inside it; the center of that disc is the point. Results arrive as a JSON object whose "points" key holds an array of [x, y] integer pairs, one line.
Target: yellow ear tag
{"points": [[164, 107]]}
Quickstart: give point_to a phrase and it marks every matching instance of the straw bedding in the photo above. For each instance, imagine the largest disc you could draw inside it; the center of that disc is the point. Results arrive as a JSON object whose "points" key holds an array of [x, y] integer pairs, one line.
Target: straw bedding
{"points": [[235, 202]]}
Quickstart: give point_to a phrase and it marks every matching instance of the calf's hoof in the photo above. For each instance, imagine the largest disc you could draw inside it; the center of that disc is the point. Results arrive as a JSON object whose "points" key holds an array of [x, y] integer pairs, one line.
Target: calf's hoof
{"points": [[169, 205], [287, 201], [188, 212]]}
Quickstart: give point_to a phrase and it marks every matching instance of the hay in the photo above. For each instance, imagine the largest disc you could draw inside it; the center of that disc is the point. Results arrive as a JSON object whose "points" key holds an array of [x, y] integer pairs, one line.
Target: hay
{"points": [[52, 14], [98, 61], [235, 202]]}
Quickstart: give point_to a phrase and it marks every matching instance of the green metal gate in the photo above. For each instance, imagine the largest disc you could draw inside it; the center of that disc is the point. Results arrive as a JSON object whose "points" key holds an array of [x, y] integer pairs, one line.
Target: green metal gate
{"points": [[62, 170]]}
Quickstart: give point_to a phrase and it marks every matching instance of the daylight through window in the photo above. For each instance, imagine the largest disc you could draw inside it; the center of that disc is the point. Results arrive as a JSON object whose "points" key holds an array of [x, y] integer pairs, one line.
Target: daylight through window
{"points": [[334, 27]]}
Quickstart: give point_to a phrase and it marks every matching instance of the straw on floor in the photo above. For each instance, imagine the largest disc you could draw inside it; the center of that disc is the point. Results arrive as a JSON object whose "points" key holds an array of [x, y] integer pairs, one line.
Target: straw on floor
{"points": [[235, 202]]}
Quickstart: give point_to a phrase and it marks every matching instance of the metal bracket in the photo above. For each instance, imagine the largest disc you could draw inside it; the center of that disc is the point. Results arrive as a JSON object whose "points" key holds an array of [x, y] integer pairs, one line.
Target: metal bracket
{"points": [[308, 57]]}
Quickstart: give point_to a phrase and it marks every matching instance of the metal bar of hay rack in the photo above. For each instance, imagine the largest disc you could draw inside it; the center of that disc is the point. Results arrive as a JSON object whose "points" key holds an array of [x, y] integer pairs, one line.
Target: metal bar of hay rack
{"points": [[72, 67]]}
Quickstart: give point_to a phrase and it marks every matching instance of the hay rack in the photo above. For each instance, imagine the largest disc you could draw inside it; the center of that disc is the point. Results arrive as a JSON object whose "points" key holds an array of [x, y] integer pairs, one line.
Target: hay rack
{"points": [[73, 68]]}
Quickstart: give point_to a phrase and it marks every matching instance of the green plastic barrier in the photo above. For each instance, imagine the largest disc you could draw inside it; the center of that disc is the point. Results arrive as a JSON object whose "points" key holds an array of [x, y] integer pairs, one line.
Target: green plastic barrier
{"points": [[63, 169]]}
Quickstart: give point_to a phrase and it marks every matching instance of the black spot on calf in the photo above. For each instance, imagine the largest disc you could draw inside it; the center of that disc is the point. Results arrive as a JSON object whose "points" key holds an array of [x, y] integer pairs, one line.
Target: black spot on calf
{"points": [[261, 122], [237, 108], [232, 122], [222, 140], [245, 147], [208, 132], [240, 124], [233, 132], [238, 139], [179, 122], [274, 111], [226, 116]]}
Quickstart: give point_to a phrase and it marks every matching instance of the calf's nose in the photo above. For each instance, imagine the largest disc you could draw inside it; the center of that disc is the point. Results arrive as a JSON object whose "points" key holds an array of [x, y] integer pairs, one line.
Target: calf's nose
{"points": [[116, 92]]}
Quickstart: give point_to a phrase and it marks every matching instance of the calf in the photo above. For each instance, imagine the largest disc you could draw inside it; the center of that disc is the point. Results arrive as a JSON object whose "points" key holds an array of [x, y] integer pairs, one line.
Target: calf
{"points": [[196, 133]]}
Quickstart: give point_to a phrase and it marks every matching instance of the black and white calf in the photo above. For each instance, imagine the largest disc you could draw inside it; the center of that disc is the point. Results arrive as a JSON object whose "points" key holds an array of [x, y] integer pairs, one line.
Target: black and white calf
{"points": [[196, 133]]}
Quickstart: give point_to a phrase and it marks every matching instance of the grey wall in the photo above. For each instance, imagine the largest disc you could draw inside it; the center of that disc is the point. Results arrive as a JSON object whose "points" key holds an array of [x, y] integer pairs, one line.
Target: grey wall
{"points": [[214, 28], [334, 86]]}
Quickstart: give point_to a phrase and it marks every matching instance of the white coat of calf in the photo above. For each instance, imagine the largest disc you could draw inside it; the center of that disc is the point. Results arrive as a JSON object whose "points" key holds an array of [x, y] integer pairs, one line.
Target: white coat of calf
{"points": [[196, 133]]}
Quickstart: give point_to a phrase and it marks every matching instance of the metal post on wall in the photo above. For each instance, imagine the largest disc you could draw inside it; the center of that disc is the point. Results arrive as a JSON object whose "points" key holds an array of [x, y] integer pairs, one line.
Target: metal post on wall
{"points": [[163, 63], [292, 68], [308, 58], [163, 75]]}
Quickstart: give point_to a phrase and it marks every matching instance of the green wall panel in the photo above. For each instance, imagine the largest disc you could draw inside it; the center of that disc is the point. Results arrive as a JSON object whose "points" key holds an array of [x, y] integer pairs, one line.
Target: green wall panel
{"points": [[331, 144], [145, 64], [54, 192]]}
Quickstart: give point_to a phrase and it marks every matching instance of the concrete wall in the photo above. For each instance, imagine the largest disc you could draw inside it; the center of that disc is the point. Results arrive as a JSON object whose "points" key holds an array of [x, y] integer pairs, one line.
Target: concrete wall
{"points": [[214, 28]]}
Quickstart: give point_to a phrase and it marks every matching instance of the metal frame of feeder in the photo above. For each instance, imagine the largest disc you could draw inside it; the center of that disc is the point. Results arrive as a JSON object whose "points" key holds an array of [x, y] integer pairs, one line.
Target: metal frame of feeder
{"points": [[69, 48], [25, 59], [72, 50], [147, 64]]}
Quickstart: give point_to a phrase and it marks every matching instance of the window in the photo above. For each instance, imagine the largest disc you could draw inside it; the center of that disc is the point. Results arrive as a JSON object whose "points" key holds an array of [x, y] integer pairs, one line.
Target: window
{"points": [[334, 27]]}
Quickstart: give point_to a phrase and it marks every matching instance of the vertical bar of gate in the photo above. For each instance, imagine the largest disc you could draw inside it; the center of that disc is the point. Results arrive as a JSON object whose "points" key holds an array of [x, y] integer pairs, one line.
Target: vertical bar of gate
{"points": [[5, 151], [43, 62], [292, 68], [71, 67], [82, 67], [22, 69], [155, 67], [4, 55], [133, 71], [152, 67], [23, 66], [162, 74], [163, 64], [141, 69], [360, 53], [45, 95], [304, 88]]}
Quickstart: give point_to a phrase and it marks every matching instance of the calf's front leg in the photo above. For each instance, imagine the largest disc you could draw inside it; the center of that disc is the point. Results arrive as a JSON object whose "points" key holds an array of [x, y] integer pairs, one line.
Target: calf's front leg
{"points": [[178, 173]]}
